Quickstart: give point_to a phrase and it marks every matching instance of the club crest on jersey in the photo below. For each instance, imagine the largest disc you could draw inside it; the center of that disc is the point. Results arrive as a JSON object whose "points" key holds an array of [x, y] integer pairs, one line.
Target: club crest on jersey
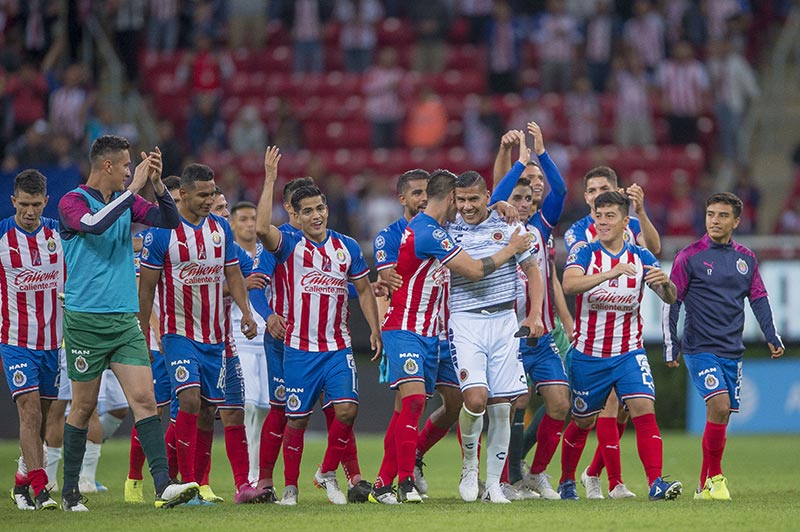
{"points": [[497, 236], [463, 374], [439, 234], [19, 379], [51, 245], [280, 393], [711, 382], [216, 239], [293, 403], [341, 256], [410, 366], [81, 365], [380, 241], [626, 236], [181, 374], [446, 244], [380, 255], [741, 267], [579, 404]]}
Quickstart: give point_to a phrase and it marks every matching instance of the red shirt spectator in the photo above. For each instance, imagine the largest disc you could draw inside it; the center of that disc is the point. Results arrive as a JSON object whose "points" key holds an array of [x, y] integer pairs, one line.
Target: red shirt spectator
{"points": [[28, 93]]}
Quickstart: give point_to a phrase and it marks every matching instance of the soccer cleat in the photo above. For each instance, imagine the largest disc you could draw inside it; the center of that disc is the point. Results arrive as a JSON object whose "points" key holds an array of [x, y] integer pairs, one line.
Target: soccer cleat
{"points": [[419, 477], [247, 494], [510, 492], [664, 490], [176, 494], [328, 482], [540, 483], [494, 494], [289, 496], [73, 501], [621, 491], [89, 486], [133, 492], [22, 498], [407, 491], [44, 501], [198, 500], [592, 485], [359, 492], [567, 491], [384, 495], [718, 489], [524, 491], [703, 494], [468, 487], [208, 494], [269, 495]]}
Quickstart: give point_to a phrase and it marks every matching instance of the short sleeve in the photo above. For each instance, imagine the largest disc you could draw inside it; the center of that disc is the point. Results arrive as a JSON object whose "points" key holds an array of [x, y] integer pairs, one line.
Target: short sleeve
{"points": [[154, 247], [433, 241], [285, 246], [579, 258], [231, 252], [245, 261], [648, 259], [358, 265], [385, 248]]}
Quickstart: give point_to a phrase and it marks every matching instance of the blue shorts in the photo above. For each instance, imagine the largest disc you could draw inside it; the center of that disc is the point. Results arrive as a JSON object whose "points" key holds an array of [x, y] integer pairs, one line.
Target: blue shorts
{"points": [[713, 375], [234, 385], [446, 372], [192, 364], [277, 389], [543, 364], [161, 385], [412, 358], [31, 370], [309, 373], [174, 406], [593, 378]]}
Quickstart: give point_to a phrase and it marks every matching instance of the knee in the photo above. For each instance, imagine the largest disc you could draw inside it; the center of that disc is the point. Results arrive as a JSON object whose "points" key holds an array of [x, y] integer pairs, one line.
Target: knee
{"points": [[81, 412], [346, 413], [476, 405], [298, 423], [189, 400], [521, 402], [585, 423], [559, 406], [232, 418], [718, 414]]}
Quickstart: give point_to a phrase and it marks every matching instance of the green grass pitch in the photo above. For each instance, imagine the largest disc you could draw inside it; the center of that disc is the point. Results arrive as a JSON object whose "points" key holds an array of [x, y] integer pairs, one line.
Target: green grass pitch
{"points": [[762, 471]]}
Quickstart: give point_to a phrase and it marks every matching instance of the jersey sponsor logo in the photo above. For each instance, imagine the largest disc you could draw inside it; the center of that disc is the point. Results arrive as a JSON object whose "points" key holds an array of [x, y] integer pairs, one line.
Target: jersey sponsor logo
{"points": [[741, 267], [602, 299], [19, 379], [380, 241], [280, 392], [216, 239], [497, 236], [579, 404], [439, 234], [293, 403], [181, 374], [711, 382], [410, 366], [341, 256], [18, 366], [51, 245], [81, 364], [446, 244], [316, 282], [380, 255], [33, 280], [193, 273]]}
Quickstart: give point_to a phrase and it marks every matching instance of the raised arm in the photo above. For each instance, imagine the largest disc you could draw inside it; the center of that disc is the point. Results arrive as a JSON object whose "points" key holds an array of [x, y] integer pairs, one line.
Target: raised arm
{"points": [[650, 237], [268, 233], [502, 166]]}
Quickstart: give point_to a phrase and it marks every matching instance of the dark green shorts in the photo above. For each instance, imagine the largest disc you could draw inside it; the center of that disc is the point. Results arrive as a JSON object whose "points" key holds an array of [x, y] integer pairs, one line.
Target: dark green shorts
{"points": [[92, 341]]}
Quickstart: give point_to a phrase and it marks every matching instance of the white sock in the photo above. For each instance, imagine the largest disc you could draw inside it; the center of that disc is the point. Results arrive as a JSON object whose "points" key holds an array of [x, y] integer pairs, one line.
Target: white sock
{"points": [[497, 441], [110, 425], [90, 460], [471, 425], [253, 421], [53, 459]]}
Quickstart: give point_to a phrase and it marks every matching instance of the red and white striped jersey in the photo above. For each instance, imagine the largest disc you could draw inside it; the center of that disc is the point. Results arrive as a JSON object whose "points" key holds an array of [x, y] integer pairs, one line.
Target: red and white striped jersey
{"points": [[542, 245], [193, 259], [607, 319], [32, 276], [317, 275]]}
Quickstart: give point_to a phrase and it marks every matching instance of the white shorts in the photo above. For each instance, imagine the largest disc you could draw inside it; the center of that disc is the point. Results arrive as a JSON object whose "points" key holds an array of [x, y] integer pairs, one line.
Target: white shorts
{"points": [[485, 352], [111, 396], [64, 386], [253, 360]]}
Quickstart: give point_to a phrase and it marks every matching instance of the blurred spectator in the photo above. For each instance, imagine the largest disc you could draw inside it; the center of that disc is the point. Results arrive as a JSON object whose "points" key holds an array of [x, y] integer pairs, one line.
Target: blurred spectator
{"points": [[357, 37], [103, 121], [379, 206], [70, 103], [645, 33], [248, 133], [64, 152], [205, 128], [694, 26], [583, 114], [602, 30], [558, 37], [205, 68], [750, 195], [720, 12], [162, 27], [684, 90], [734, 85], [478, 14], [37, 18], [431, 22], [633, 123], [505, 35], [674, 13], [383, 107], [129, 19], [426, 126], [33, 148], [483, 126], [171, 149], [532, 109], [247, 21], [681, 210], [27, 91], [789, 221], [339, 203], [306, 19], [229, 179], [287, 129], [207, 18]]}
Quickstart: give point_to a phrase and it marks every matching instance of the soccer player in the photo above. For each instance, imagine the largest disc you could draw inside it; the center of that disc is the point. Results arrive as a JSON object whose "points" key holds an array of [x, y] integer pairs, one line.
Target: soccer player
{"points": [[482, 328], [100, 325], [31, 277], [317, 352], [608, 278], [190, 264], [642, 232], [542, 363], [713, 276]]}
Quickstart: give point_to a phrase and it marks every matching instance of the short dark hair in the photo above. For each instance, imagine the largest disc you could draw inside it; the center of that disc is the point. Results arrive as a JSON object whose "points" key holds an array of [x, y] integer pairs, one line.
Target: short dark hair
{"points": [[195, 172], [416, 174], [308, 191], [440, 184], [523, 182], [469, 179], [31, 181], [105, 145], [534, 164], [612, 197], [727, 198], [172, 182], [290, 187], [243, 205], [601, 171], [218, 190]]}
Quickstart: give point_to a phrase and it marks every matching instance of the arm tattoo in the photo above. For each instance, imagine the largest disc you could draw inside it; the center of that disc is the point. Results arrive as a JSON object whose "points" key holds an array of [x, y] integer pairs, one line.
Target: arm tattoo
{"points": [[488, 266]]}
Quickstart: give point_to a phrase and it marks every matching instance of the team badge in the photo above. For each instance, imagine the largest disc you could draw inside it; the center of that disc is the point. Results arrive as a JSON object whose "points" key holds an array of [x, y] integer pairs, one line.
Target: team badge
{"points": [[137, 262], [626, 236], [380, 241], [216, 239], [19, 379], [280, 393], [741, 267], [570, 238], [148, 239], [181, 374], [711, 382], [145, 253], [579, 404], [326, 263], [380, 255], [51, 245], [439, 234], [446, 244], [340, 256], [201, 251], [36, 258], [572, 258], [293, 403], [463, 374], [411, 366], [497, 236], [81, 365]]}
